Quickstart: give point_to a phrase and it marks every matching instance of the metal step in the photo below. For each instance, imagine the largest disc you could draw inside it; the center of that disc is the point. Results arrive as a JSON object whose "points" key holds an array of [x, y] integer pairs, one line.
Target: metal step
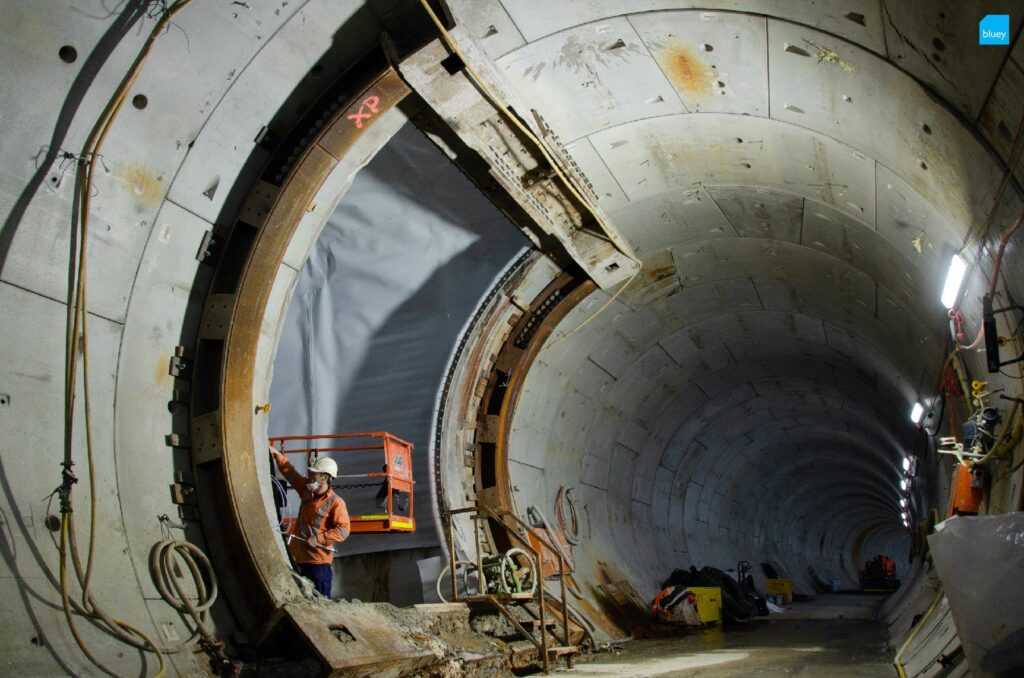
{"points": [[562, 650], [500, 597]]}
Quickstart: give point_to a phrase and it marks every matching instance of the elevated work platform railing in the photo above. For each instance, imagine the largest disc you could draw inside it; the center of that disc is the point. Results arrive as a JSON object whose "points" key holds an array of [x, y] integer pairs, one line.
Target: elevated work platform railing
{"points": [[394, 479], [508, 580]]}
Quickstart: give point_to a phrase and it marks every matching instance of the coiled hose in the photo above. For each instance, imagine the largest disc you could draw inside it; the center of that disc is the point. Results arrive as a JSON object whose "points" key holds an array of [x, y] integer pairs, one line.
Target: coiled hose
{"points": [[571, 535], [537, 517], [161, 569]]}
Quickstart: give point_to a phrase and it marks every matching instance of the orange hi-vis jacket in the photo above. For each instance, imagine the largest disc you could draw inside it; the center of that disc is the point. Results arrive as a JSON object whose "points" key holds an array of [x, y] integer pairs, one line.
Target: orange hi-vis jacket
{"points": [[324, 515]]}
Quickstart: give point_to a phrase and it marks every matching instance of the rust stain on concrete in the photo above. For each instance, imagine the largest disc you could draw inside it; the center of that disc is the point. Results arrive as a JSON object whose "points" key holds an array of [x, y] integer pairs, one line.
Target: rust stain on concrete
{"points": [[687, 71], [147, 189]]}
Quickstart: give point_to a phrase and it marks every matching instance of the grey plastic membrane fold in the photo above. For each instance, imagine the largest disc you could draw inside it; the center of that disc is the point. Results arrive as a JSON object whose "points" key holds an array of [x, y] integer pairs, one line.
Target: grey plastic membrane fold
{"points": [[980, 560], [377, 310]]}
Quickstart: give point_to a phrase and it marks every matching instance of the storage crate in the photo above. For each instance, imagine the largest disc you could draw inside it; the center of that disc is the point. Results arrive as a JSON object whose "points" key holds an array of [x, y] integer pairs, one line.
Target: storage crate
{"points": [[780, 587], [709, 603]]}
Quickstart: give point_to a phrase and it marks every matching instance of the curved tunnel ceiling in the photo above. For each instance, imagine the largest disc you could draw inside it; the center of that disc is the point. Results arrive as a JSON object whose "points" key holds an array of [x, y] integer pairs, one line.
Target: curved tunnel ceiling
{"points": [[795, 195], [794, 178]]}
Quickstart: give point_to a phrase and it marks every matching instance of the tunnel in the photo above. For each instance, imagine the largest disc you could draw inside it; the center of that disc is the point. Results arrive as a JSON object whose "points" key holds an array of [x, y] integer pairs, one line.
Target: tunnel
{"points": [[650, 293]]}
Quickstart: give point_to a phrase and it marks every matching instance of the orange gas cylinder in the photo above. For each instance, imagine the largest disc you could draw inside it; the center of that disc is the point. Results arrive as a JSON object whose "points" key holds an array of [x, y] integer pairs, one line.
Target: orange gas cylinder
{"points": [[964, 498]]}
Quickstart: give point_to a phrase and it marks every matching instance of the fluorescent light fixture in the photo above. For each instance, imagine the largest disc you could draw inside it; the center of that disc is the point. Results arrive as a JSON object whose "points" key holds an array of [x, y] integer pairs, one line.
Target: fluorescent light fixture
{"points": [[906, 523], [916, 412], [903, 502], [954, 278], [903, 484], [906, 463]]}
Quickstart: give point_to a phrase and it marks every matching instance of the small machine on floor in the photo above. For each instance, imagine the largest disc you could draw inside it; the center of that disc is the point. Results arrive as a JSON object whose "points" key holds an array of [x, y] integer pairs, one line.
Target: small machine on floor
{"points": [[879, 574]]}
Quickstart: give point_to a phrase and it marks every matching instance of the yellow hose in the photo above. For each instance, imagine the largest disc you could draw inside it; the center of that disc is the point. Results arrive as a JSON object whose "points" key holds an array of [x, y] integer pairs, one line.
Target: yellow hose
{"points": [[77, 340], [915, 631]]}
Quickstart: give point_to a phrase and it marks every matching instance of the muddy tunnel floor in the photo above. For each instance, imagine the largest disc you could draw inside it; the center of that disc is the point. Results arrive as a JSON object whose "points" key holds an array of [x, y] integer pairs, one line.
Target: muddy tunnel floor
{"points": [[831, 636]]}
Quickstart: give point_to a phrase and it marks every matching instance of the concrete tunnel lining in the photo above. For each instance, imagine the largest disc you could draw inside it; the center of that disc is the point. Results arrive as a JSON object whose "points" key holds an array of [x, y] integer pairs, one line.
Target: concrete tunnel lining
{"points": [[859, 350]]}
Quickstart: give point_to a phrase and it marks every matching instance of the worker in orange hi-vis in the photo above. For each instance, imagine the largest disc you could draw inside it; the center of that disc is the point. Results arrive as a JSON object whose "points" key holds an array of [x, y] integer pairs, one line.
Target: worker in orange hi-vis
{"points": [[322, 521]]}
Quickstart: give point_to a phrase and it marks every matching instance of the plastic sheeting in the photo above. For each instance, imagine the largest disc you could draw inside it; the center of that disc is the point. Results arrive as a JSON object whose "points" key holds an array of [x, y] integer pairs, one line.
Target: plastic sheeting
{"points": [[980, 560], [377, 311]]}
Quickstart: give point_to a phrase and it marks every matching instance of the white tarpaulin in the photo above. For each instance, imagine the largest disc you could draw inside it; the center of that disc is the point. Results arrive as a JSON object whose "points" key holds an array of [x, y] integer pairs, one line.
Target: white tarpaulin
{"points": [[980, 560]]}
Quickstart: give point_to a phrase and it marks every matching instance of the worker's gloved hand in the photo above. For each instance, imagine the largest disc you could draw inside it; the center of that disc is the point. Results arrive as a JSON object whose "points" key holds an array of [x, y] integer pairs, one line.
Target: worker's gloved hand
{"points": [[274, 454]]}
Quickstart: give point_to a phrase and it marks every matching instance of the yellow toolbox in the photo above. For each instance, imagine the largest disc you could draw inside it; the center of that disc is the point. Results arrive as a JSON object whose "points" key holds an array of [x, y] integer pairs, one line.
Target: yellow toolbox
{"points": [[780, 587], [709, 603]]}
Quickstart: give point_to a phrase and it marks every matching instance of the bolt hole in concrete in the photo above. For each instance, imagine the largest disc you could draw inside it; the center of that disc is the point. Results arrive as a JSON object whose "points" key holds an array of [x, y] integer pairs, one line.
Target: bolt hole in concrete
{"points": [[342, 634], [140, 101], [926, 129], [377, 309], [68, 54]]}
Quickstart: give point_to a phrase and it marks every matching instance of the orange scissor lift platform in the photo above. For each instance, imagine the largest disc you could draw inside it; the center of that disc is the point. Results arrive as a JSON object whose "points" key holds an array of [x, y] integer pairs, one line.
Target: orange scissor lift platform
{"points": [[396, 473]]}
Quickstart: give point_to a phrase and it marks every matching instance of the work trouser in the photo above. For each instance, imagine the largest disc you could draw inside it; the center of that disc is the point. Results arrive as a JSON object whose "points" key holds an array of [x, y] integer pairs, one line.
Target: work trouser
{"points": [[321, 576]]}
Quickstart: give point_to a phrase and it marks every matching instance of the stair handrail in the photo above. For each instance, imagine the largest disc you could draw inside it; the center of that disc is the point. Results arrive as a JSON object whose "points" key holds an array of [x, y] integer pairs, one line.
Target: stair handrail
{"points": [[497, 515]]}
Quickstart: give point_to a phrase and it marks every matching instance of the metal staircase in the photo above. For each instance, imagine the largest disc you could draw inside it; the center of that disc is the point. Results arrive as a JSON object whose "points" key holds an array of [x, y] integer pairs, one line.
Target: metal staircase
{"points": [[502, 578]]}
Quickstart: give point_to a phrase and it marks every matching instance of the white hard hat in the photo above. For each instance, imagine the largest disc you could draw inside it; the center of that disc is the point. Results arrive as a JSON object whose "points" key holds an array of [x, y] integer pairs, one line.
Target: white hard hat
{"points": [[325, 465]]}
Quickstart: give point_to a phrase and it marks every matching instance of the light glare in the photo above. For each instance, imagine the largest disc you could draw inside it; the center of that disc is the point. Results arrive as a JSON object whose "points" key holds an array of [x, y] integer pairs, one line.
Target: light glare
{"points": [[954, 278], [903, 484], [906, 463], [916, 412]]}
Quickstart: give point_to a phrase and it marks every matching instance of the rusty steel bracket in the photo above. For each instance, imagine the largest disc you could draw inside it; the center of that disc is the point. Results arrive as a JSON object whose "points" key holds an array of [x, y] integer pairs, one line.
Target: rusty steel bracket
{"points": [[183, 494], [206, 437], [209, 249], [216, 316], [181, 363], [520, 166]]}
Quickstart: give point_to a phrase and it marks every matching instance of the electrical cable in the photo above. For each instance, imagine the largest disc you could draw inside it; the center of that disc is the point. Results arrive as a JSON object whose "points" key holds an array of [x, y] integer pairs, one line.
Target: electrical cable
{"points": [[998, 260], [587, 321], [77, 342], [915, 631], [508, 114], [475, 78], [538, 519], [572, 536]]}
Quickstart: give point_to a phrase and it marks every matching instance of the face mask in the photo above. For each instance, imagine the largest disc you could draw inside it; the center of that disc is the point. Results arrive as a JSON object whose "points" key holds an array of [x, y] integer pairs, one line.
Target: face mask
{"points": [[313, 486]]}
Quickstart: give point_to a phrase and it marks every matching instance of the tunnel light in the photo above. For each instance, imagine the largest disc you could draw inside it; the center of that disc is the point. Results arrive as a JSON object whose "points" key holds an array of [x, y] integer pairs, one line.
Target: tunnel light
{"points": [[903, 484], [906, 463], [903, 502], [916, 412], [954, 278]]}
